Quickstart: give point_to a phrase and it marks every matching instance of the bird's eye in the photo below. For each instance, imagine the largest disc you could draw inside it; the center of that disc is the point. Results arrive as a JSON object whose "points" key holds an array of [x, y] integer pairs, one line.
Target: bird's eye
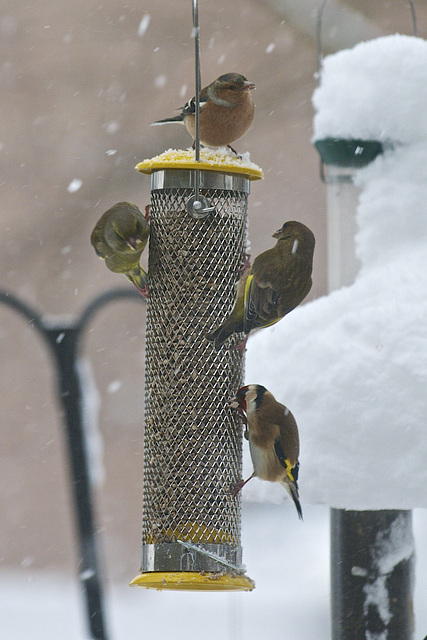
{"points": [[233, 87]]}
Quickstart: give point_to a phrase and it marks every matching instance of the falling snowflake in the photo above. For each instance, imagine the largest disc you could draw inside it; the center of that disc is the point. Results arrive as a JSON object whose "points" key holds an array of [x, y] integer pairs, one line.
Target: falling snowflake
{"points": [[74, 185]]}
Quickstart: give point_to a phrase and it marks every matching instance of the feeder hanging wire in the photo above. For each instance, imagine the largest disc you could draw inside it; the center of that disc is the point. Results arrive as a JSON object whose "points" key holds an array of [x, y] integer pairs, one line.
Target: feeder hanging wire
{"points": [[197, 206]]}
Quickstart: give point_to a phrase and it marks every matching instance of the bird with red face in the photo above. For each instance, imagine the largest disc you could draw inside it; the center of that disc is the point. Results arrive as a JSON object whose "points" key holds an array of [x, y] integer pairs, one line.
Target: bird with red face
{"points": [[226, 111], [273, 439]]}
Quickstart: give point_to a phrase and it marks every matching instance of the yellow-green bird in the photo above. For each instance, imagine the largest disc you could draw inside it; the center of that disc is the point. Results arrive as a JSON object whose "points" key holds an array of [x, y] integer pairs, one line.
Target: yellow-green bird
{"points": [[279, 279], [119, 238]]}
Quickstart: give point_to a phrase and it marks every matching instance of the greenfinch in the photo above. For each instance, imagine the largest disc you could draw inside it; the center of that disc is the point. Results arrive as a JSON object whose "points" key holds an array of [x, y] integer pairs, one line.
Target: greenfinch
{"points": [[119, 238], [273, 439], [279, 279]]}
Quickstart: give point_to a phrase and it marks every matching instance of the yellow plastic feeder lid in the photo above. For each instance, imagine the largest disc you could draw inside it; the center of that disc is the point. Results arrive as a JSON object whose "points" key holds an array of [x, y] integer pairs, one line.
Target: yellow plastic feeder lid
{"points": [[193, 581], [221, 159]]}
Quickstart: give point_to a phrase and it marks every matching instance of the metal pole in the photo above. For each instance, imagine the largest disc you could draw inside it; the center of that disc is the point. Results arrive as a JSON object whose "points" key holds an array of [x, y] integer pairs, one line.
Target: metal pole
{"points": [[64, 343], [342, 195], [371, 594], [198, 87], [372, 559], [369, 599], [197, 205]]}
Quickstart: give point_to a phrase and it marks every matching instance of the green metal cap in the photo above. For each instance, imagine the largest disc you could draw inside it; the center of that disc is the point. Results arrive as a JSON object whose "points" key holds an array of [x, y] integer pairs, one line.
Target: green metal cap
{"points": [[350, 153]]}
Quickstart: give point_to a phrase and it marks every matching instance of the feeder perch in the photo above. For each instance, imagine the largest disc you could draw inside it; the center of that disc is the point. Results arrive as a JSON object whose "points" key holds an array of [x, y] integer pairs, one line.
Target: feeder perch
{"points": [[191, 536]]}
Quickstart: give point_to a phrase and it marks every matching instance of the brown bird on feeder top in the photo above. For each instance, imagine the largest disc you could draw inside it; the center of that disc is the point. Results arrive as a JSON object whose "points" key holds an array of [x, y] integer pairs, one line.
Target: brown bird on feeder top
{"points": [[273, 439], [279, 279], [226, 111]]}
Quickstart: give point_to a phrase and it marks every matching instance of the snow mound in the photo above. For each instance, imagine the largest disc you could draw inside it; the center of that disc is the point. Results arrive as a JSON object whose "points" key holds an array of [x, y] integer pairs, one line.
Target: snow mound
{"points": [[375, 91], [352, 366]]}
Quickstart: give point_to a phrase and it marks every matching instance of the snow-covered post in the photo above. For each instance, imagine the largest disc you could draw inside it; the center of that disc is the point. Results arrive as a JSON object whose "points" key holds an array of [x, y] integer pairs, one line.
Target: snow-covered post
{"points": [[371, 102], [192, 439], [372, 575], [340, 160]]}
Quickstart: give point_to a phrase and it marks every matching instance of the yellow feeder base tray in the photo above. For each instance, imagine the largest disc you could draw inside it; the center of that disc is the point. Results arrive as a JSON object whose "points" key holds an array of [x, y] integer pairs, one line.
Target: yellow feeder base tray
{"points": [[221, 159], [192, 581]]}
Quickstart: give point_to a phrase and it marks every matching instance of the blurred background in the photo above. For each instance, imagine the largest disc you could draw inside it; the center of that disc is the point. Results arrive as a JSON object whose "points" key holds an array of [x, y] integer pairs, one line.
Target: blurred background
{"points": [[81, 81]]}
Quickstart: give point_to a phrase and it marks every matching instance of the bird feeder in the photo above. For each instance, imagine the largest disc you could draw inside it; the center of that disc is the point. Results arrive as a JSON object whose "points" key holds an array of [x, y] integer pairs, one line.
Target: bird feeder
{"points": [[191, 535]]}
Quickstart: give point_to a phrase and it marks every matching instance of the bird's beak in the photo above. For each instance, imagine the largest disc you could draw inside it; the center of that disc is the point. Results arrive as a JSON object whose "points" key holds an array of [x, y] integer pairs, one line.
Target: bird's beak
{"points": [[248, 86], [276, 234]]}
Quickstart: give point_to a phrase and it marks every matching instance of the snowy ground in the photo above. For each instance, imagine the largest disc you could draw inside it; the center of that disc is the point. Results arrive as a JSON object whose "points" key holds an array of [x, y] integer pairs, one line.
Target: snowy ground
{"points": [[288, 560]]}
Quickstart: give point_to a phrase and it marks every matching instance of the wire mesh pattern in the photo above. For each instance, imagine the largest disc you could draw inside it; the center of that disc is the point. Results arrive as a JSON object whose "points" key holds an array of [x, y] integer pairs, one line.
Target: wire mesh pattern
{"points": [[192, 440]]}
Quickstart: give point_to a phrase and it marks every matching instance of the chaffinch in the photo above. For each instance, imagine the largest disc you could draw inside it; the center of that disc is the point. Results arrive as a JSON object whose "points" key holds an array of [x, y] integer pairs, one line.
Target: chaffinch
{"points": [[119, 238], [279, 279], [226, 111], [273, 439]]}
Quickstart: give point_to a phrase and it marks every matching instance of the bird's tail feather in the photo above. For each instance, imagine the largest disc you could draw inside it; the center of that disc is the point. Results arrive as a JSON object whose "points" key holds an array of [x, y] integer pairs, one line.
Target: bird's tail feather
{"points": [[139, 278], [218, 336], [231, 325], [178, 119], [292, 489]]}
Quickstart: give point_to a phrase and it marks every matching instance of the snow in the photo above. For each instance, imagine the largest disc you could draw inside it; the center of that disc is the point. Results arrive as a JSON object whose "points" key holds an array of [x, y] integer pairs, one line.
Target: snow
{"points": [[287, 559], [392, 214], [112, 127], [352, 366], [353, 370], [395, 548], [114, 386], [375, 91], [221, 158], [160, 81], [143, 25], [91, 402], [291, 588], [74, 185], [389, 551]]}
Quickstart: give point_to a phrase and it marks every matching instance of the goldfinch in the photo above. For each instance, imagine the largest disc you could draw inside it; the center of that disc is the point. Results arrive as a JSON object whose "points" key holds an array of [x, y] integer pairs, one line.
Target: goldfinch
{"points": [[277, 282], [273, 439], [119, 238]]}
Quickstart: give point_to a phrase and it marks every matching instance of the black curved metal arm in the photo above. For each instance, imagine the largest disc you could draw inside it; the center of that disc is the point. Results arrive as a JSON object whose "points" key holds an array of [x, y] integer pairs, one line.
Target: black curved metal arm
{"points": [[64, 343]]}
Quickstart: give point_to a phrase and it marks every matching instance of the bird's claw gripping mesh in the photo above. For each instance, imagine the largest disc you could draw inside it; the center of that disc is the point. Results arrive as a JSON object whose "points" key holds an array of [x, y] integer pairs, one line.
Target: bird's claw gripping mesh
{"points": [[193, 439]]}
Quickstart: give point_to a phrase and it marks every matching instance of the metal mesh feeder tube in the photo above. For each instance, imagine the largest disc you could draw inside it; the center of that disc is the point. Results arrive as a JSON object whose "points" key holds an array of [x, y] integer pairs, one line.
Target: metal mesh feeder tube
{"points": [[192, 439]]}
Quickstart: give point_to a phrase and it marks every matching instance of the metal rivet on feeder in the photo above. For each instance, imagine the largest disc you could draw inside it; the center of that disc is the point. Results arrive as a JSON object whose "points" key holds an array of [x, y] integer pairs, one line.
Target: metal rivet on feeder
{"points": [[193, 441]]}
